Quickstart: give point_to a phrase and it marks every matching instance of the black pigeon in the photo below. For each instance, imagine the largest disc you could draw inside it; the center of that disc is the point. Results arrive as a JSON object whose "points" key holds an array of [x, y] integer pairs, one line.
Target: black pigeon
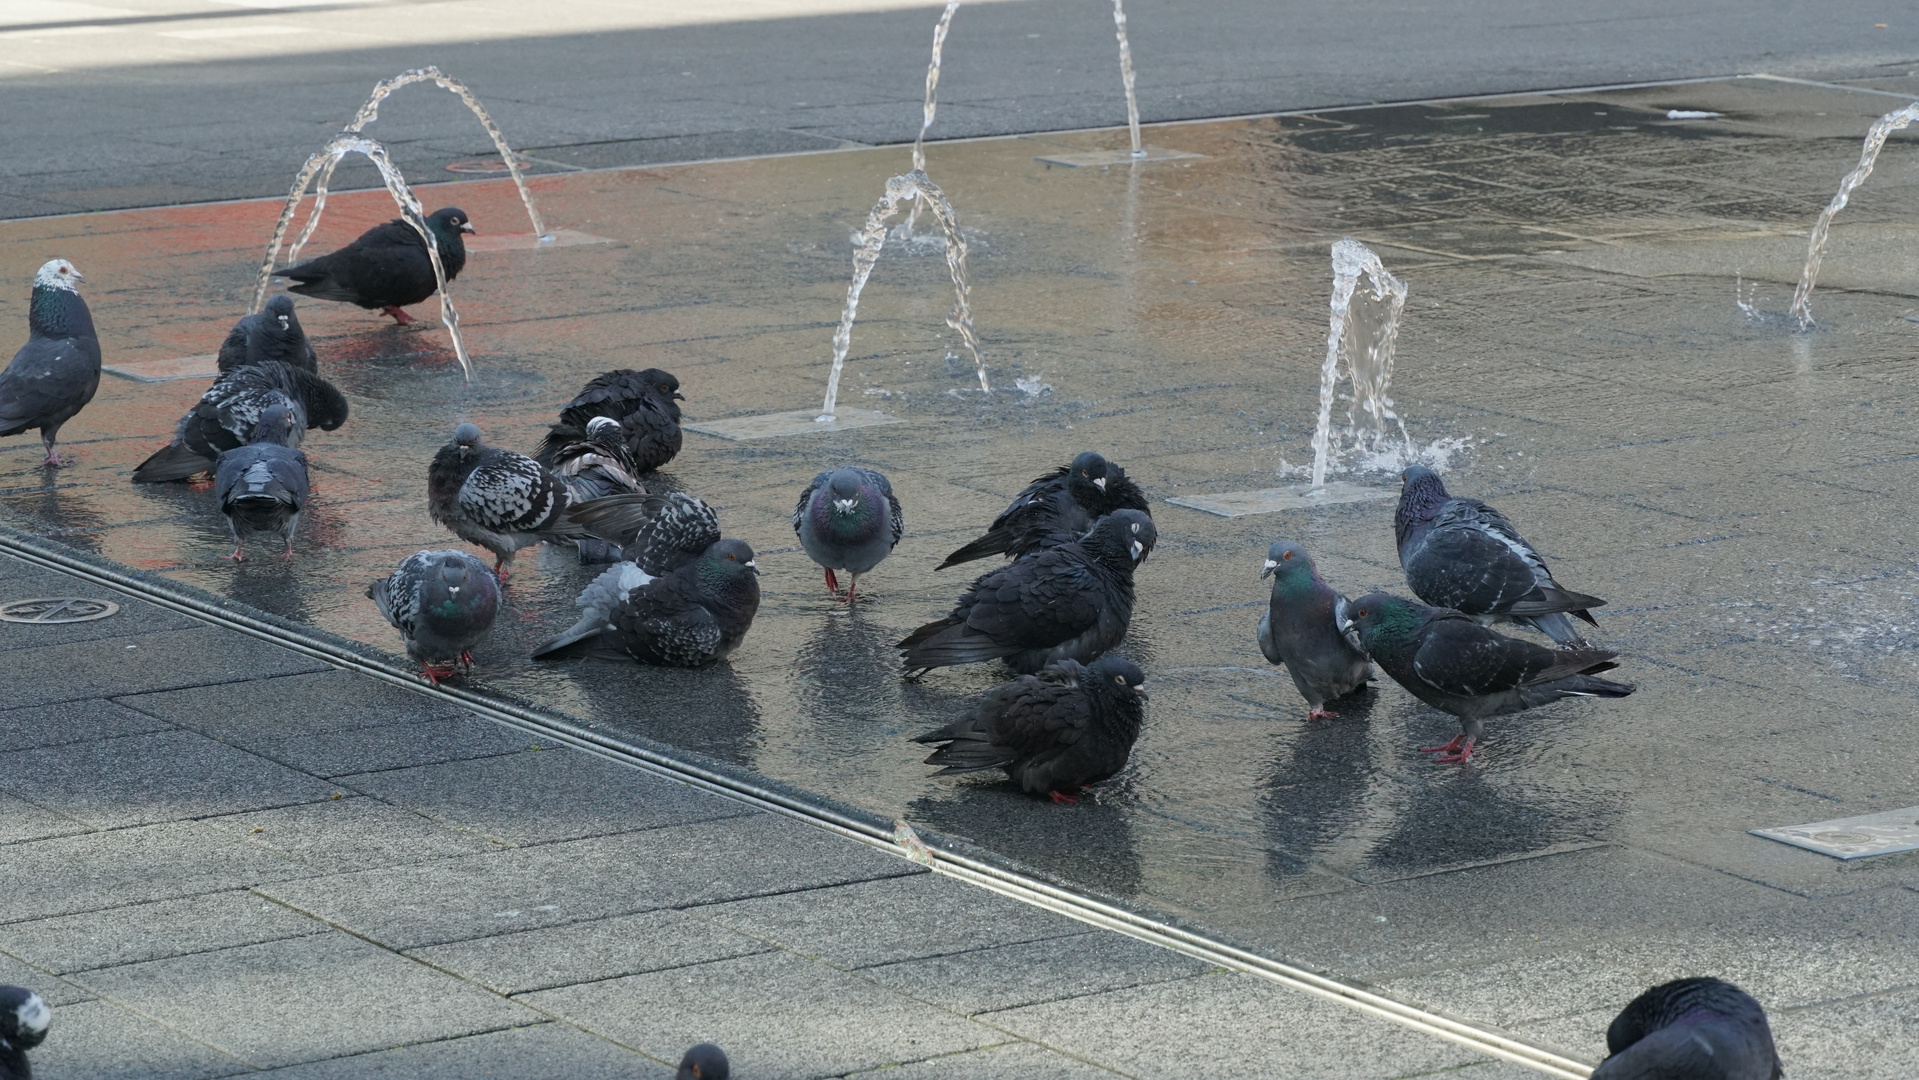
{"points": [[659, 533], [594, 466], [56, 372], [387, 268], [694, 615], [496, 498], [1462, 554], [1065, 501], [1456, 665], [442, 603], [270, 335], [1301, 630], [644, 402], [24, 1017], [1055, 732], [225, 415], [1070, 602], [704, 1062], [263, 485], [847, 519], [1691, 1029]]}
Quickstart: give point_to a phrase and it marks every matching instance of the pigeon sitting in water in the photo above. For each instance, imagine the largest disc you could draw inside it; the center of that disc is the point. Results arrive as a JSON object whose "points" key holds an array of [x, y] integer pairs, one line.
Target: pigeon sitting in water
{"points": [[387, 268], [1456, 665], [270, 335], [692, 616], [594, 466], [263, 485], [496, 498], [1055, 732], [1462, 554], [24, 1018], [1691, 1029], [644, 403], [1070, 602], [225, 415], [848, 519], [659, 533], [1301, 630], [704, 1062], [56, 372], [1065, 501], [442, 603]]}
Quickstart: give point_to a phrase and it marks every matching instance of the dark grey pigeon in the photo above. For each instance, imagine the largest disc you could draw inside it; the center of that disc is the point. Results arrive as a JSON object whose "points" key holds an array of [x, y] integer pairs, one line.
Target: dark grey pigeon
{"points": [[1055, 732], [848, 519], [387, 268], [691, 617], [704, 1062], [594, 466], [1462, 554], [24, 1017], [1301, 630], [644, 402], [442, 603], [496, 498], [270, 335], [1691, 1029], [1062, 504], [55, 373], [224, 417], [1457, 665], [1070, 602], [659, 533], [263, 485]]}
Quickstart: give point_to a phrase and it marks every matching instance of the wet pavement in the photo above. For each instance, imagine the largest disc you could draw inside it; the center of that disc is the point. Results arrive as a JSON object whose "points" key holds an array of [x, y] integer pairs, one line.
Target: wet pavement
{"points": [[1735, 489]]}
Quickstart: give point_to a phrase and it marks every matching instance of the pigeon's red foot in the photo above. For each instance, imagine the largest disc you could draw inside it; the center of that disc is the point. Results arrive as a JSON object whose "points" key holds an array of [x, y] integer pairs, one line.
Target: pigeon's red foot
{"points": [[832, 582], [500, 570], [56, 461], [466, 660], [1064, 799], [287, 555], [400, 317], [237, 556], [1319, 713], [1465, 754], [851, 588], [1446, 749], [433, 673]]}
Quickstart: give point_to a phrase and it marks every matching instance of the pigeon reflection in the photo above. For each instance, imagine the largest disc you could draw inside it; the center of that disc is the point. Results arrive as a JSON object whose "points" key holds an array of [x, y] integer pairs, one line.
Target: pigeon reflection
{"points": [[1090, 844]]}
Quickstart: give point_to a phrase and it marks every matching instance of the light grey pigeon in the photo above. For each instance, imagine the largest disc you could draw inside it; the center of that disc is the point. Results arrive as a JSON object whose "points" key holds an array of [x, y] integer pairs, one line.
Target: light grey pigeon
{"points": [[692, 616], [24, 1018], [496, 498], [56, 372], [273, 335], [442, 603], [1691, 1029], [1301, 630], [263, 485], [848, 519]]}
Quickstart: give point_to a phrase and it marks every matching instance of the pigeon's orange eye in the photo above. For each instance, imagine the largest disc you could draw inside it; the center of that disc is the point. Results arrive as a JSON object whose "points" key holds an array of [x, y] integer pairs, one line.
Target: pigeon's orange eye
{"points": [[1288, 555], [63, 269]]}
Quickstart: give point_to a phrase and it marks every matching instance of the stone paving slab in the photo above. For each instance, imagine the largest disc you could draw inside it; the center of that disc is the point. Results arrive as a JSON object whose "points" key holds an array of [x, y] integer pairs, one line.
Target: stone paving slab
{"points": [[355, 833], [98, 870], [1032, 972], [164, 776], [591, 951], [154, 931], [100, 1040], [162, 660], [543, 1051], [72, 722]]}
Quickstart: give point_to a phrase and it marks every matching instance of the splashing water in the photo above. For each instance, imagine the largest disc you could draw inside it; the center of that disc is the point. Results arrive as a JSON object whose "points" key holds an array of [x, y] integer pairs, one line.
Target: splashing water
{"points": [[866, 252], [1126, 76], [1369, 362], [905, 231], [410, 211], [1815, 250]]}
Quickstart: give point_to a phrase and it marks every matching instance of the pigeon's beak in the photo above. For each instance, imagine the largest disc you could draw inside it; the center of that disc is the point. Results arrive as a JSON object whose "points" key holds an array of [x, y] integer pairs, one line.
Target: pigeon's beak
{"points": [[1266, 570], [453, 590], [467, 228], [283, 322], [845, 506], [1140, 689], [1100, 483], [752, 564], [1139, 551], [78, 276], [677, 396], [1346, 625]]}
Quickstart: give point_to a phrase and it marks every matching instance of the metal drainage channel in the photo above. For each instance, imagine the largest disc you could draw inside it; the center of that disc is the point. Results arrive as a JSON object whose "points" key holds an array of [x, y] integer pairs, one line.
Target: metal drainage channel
{"points": [[984, 875]]}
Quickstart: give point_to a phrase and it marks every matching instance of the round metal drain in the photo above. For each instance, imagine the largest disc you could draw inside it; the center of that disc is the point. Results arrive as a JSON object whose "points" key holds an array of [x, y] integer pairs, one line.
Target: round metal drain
{"points": [[1842, 838], [57, 609]]}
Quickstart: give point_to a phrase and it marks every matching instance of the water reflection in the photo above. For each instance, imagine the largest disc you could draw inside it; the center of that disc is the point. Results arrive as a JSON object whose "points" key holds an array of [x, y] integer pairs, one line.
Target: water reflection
{"points": [[1091, 843]]}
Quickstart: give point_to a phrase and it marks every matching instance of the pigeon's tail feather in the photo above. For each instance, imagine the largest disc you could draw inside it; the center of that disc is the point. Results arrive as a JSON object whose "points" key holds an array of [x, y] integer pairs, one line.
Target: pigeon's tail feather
{"points": [[1583, 614], [993, 543], [598, 602], [1546, 600], [170, 463], [947, 643], [616, 517], [583, 639], [1557, 626], [1573, 686], [968, 748]]}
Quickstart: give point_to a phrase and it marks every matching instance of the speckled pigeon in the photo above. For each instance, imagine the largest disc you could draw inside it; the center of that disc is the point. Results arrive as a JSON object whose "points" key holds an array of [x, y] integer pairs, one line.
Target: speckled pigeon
{"points": [[1457, 665], [659, 532], [442, 603], [24, 1018], [496, 498], [594, 466], [690, 617], [644, 402], [1301, 630], [270, 335], [56, 372], [847, 519], [387, 268], [224, 416], [704, 1062], [1691, 1029], [263, 485], [1070, 602], [1065, 501], [1055, 732], [1462, 554]]}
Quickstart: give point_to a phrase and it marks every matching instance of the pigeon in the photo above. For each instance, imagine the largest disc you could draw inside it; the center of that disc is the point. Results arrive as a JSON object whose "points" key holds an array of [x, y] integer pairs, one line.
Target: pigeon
{"points": [[24, 1017], [263, 485], [1301, 630], [1453, 663], [387, 268], [1065, 501], [496, 498], [442, 603], [659, 533], [848, 519], [593, 466], [1070, 602], [704, 1062], [1691, 1029], [273, 334], [1055, 732], [692, 616], [1462, 554], [224, 417], [56, 372], [644, 402]]}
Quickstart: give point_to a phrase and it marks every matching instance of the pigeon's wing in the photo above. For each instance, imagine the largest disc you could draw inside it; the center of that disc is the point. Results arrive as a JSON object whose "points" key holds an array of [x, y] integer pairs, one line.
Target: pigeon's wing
{"points": [[398, 594], [1122, 493], [233, 351], [48, 378], [1460, 657], [1039, 511], [324, 405], [613, 394], [661, 619], [1041, 600], [511, 493], [885, 486], [289, 467], [1468, 562], [1674, 1052], [1045, 713], [806, 500], [1264, 632]]}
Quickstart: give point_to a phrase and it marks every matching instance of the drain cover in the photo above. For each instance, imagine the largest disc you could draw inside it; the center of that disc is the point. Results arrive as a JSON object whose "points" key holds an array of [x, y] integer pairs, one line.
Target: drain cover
{"points": [[57, 609], [1853, 837]]}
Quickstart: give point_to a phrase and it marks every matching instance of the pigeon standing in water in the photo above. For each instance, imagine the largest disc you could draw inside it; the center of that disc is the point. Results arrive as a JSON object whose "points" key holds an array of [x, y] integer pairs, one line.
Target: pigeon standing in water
{"points": [[388, 267], [692, 616], [270, 335], [644, 402], [1691, 1029], [848, 519], [496, 498], [704, 1062], [1456, 665], [225, 415], [263, 485], [594, 466], [24, 1017], [1067, 500], [442, 603], [56, 372], [1301, 630], [1462, 554]]}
